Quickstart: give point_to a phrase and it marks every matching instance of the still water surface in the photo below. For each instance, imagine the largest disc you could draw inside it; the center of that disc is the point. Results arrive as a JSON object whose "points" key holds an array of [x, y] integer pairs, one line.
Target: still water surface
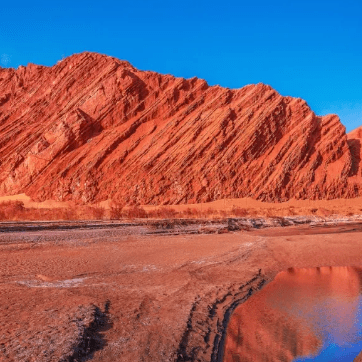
{"points": [[302, 315]]}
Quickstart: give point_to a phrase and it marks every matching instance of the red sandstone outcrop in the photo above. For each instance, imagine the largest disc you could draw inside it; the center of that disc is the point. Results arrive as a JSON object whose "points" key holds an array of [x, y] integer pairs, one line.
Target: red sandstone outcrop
{"points": [[354, 142], [358, 358], [93, 127]]}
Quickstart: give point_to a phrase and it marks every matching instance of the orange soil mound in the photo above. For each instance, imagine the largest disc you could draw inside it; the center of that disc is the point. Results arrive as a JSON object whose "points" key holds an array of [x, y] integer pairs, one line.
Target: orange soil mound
{"points": [[93, 128]]}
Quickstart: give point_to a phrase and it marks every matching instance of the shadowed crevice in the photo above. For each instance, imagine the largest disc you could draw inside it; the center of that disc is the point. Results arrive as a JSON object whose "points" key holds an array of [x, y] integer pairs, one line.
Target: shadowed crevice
{"points": [[92, 338], [183, 354], [355, 149]]}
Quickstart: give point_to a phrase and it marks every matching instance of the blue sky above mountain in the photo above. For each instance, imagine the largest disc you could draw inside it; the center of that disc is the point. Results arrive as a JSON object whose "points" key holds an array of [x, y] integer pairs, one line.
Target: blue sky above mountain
{"points": [[309, 49]]}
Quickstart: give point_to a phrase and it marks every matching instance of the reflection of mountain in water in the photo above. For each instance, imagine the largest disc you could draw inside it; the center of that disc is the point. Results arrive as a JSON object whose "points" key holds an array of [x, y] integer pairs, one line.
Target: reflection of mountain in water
{"points": [[298, 314]]}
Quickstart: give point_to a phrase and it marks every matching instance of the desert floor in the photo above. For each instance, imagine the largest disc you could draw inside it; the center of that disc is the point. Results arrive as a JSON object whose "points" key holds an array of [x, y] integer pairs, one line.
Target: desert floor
{"points": [[135, 293]]}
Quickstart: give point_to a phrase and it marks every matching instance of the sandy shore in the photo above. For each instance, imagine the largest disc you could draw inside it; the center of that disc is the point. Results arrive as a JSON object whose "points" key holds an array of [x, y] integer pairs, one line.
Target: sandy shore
{"points": [[107, 294]]}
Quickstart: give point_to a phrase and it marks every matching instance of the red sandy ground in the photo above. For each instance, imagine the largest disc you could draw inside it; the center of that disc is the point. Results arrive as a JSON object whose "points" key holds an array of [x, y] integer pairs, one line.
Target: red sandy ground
{"points": [[139, 297]]}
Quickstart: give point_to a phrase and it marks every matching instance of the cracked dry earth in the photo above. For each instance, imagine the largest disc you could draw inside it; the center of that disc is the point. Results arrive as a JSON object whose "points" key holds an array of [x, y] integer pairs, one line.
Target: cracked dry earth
{"points": [[108, 295]]}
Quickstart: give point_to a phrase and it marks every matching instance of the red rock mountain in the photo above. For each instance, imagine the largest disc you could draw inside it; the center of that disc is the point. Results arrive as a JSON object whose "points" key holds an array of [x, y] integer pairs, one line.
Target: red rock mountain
{"points": [[93, 127]]}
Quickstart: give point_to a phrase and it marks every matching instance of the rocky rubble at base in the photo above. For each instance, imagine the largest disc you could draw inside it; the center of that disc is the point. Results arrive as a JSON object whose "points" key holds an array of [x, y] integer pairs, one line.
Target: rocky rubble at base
{"points": [[178, 226]]}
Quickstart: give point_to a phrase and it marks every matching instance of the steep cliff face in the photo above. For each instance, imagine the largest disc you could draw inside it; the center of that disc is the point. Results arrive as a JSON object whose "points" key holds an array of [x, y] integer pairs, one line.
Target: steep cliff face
{"points": [[93, 127], [354, 142]]}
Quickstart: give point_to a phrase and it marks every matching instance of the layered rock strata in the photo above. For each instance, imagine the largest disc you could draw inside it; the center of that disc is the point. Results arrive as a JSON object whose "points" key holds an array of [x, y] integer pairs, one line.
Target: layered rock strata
{"points": [[93, 127]]}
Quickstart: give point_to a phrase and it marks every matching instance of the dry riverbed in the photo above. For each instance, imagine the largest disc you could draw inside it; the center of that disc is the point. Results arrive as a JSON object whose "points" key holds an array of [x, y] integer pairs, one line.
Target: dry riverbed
{"points": [[152, 291]]}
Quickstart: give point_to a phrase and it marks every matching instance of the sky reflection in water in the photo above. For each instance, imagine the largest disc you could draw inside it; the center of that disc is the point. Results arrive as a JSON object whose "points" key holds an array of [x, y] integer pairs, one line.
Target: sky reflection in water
{"points": [[303, 315]]}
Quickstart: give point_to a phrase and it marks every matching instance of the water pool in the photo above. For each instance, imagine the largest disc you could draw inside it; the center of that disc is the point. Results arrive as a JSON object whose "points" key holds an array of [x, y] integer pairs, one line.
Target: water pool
{"points": [[302, 315]]}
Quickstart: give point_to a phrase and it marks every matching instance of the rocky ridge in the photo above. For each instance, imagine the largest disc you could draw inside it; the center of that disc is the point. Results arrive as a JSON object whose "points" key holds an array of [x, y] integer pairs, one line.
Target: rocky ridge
{"points": [[93, 127]]}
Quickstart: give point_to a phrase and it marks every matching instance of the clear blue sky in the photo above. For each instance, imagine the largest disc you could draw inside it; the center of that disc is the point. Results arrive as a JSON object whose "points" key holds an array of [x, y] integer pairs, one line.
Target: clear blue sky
{"points": [[308, 49]]}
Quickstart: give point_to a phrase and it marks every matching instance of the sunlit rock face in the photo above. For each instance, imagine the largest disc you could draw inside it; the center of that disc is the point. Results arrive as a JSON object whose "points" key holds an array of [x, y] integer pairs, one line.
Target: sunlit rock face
{"points": [[93, 127], [296, 315], [358, 358]]}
